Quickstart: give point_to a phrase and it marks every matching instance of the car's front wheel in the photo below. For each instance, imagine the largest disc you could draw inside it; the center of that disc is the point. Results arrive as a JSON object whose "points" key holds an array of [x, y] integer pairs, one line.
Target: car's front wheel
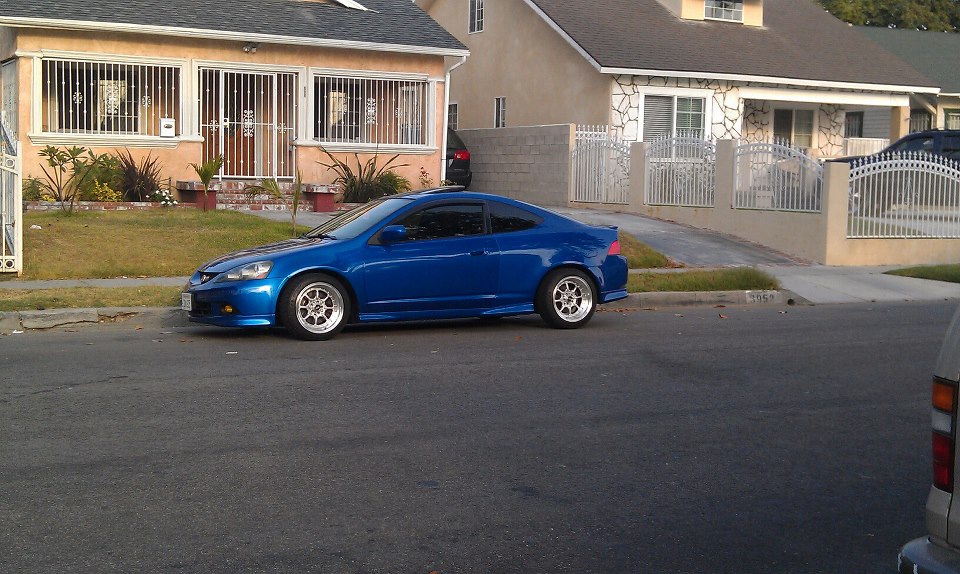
{"points": [[566, 299], [314, 307]]}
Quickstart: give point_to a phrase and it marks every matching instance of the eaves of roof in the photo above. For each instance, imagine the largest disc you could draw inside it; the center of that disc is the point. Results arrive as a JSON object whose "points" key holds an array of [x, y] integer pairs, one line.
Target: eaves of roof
{"points": [[387, 25], [799, 44]]}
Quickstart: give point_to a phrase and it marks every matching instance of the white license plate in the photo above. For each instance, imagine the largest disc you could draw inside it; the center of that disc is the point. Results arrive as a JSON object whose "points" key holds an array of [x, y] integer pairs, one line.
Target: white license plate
{"points": [[186, 302]]}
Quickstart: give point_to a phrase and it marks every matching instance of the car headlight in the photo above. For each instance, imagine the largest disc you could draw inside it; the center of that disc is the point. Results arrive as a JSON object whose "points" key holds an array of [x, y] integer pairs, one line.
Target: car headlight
{"points": [[258, 270]]}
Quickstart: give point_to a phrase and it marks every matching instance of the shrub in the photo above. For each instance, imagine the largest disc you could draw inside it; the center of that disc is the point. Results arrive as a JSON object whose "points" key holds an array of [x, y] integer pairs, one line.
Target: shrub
{"points": [[368, 181], [139, 181], [67, 171]]}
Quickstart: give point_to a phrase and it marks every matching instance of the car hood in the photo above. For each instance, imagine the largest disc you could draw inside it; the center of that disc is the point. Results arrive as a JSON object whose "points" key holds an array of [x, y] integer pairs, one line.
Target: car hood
{"points": [[261, 253]]}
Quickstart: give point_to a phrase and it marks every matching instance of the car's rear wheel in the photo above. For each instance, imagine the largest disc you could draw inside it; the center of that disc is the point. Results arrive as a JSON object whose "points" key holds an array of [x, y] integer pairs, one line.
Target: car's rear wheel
{"points": [[315, 307], [566, 299]]}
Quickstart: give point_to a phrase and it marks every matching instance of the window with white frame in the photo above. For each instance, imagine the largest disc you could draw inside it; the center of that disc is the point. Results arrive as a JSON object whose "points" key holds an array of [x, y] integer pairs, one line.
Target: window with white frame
{"points": [[476, 16], [793, 127], [724, 10], [108, 98], [500, 113], [363, 110], [452, 116], [951, 120], [668, 116]]}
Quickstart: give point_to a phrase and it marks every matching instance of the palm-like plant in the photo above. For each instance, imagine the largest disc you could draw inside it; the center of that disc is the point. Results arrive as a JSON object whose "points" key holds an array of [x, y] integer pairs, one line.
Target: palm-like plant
{"points": [[272, 188], [368, 181], [206, 171]]}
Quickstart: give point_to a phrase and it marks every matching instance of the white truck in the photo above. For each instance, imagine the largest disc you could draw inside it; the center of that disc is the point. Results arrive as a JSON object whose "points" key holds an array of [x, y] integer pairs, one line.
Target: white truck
{"points": [[939, 551]]}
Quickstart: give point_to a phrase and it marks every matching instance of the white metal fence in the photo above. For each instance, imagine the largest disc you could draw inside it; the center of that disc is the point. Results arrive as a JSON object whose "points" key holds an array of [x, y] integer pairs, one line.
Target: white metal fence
{"points": [[777, 177], [601, 167], [681, 172], [11, 206], [909, 195], [863, 146]]}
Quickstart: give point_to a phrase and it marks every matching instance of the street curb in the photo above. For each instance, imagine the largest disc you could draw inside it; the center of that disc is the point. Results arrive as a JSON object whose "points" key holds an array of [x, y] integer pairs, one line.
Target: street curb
{"points": [[14, 321], [700, 298]]}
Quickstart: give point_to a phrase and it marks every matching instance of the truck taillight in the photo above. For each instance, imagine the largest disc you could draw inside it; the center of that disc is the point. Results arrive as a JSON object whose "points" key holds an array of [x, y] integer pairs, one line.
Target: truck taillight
{"points": [[944, 422]]}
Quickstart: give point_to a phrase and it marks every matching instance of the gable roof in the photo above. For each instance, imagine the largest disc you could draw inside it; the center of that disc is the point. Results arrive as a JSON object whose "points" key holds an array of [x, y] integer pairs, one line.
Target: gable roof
{"points": [[934, 54], [799, 44], [385, 25]]}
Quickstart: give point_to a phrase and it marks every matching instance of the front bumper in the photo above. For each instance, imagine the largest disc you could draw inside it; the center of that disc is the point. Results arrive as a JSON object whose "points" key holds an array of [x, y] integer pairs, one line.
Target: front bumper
{"points": [[925, 556], [234, 304]]}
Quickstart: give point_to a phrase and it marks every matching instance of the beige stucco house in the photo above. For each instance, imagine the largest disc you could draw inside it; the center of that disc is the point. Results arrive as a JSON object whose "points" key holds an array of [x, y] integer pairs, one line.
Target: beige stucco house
{"points": [[756, 69], [265, 83]]}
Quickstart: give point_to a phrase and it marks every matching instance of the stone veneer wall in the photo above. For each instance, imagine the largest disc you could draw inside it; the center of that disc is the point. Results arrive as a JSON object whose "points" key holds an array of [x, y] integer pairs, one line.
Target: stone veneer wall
{"points": [[528, 163], [728, 116]]}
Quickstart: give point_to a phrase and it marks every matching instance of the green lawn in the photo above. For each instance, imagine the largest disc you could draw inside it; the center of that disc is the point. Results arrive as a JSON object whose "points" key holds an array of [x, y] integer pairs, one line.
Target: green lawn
{"points": [[154, 243], [949, 273]]}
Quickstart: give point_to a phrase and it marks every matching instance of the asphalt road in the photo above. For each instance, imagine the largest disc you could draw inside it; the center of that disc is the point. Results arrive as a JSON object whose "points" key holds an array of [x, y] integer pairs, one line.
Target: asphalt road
{"points": [[712, 440]]}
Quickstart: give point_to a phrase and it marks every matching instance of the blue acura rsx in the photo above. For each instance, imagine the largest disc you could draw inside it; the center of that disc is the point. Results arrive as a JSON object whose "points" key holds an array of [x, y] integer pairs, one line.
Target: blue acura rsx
{"points": [[433, 254]]}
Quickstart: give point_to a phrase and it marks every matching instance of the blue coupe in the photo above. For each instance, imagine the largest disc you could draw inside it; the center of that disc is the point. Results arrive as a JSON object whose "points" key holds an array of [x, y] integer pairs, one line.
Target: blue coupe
{"points": [[434, 254]]}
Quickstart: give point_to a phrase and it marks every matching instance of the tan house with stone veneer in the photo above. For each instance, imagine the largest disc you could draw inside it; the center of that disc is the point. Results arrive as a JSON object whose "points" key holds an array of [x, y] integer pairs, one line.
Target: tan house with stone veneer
{"points": [[266, 83], [759, 69]]}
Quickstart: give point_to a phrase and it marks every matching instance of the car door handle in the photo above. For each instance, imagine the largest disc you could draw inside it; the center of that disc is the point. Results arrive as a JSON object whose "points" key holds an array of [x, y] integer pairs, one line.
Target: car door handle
{"points": [[481, 252]]}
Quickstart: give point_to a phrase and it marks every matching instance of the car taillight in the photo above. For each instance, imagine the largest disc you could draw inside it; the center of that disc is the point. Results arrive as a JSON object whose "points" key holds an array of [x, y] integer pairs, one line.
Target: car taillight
{"points": [[614, 248], [944, 423], [461, 154]]}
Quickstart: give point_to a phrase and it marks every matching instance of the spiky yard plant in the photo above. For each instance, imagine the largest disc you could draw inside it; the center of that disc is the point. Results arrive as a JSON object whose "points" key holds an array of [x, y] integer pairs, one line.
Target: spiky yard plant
{"points": [[139, 181], [368, 181], [273, 189], [206, 171]]}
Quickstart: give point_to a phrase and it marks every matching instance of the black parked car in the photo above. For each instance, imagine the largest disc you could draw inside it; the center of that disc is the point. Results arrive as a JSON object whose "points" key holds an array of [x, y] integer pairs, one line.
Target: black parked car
{"points": [[458, 160], [944, 143]]}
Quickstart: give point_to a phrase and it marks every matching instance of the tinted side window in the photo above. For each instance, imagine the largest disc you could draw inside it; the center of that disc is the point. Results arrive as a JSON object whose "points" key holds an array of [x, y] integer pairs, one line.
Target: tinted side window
{"points": [[444, 221], [951, 146], [916, 144], [505, 218]]}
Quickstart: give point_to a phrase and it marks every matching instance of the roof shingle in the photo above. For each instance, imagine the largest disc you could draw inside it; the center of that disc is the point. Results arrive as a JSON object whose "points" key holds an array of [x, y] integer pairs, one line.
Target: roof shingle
{"points": [[387, 22], [798, 41]]}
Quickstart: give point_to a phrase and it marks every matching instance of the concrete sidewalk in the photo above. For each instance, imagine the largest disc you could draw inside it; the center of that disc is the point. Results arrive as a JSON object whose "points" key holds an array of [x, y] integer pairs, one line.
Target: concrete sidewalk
{"points": [[801, 282]]}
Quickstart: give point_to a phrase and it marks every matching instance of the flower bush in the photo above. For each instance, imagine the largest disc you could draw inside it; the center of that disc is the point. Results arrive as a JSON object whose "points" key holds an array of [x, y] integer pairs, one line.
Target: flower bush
{"points": [[164, 198]]}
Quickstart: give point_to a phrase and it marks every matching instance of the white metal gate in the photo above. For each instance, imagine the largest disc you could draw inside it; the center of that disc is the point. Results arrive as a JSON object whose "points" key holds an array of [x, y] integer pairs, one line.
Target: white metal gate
{"points": [[905, 195], [680, 172], [601, 167], [11, 206], [250, 119], [771, 176]]}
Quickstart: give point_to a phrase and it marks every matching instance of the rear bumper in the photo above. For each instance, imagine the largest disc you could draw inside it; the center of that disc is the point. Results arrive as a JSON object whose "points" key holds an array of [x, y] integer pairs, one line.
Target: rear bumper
{"points": [[924, 556]]}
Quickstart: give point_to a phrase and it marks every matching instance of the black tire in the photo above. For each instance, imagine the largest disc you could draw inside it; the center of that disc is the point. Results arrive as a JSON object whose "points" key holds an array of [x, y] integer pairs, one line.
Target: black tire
{"points": [[566, 298], [314, 307]]}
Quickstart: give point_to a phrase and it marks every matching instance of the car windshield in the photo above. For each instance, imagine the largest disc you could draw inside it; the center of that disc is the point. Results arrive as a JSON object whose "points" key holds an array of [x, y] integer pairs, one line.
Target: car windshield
{"points": [[354, 222]]}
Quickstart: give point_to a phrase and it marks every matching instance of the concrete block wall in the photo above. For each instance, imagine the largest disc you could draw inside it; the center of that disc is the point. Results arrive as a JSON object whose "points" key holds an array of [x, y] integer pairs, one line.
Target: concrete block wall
{"points": [[529, 163]]}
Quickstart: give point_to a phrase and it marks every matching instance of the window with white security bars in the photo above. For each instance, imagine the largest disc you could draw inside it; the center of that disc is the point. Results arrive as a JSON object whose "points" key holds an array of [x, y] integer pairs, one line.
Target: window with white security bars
{"points": [[351, 110], [108, 98]]}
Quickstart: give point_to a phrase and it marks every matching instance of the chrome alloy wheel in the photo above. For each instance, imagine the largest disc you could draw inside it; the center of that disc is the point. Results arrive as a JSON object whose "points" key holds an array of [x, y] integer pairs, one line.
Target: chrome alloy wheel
{"points": [[319, 307], [572, 298]]}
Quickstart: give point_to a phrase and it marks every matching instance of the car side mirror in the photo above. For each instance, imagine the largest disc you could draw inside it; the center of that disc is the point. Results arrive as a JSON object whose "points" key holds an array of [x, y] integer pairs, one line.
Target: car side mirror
{"points": [[393, 234]]}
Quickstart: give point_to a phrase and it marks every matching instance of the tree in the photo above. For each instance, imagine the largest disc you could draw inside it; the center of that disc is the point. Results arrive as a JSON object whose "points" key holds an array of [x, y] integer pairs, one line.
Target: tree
{"points": [[934, 15]]}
